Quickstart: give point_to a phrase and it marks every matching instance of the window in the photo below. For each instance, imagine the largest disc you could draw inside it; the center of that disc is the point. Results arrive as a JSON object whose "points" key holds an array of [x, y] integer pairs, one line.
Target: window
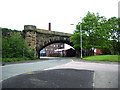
{"points": [[61, 45]]}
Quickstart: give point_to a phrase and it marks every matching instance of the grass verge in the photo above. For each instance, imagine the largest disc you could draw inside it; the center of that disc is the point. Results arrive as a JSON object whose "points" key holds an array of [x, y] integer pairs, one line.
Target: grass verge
{"points": [[16, 59], [112, 58]]}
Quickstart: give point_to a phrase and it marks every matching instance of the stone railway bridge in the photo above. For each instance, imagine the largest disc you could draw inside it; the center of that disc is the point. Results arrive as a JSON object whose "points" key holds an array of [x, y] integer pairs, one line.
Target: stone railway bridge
{"points": [[37, 39]]}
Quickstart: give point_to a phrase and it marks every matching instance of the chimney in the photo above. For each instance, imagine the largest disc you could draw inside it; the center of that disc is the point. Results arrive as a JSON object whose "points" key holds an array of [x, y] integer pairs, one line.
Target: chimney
{"points": [[49, 27]]}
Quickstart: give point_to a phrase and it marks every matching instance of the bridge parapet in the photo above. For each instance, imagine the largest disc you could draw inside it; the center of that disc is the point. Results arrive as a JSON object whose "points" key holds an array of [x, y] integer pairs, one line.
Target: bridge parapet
{"points": [[32, 27], [53, 32]]}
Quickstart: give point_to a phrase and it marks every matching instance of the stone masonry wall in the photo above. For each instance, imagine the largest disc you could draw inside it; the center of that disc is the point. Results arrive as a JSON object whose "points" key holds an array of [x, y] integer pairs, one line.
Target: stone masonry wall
{"points": [[38, 38]]}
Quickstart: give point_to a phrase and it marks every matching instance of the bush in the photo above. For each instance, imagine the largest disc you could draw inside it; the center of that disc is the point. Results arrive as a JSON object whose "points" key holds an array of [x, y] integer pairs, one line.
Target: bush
{"points": [[15, 47]]}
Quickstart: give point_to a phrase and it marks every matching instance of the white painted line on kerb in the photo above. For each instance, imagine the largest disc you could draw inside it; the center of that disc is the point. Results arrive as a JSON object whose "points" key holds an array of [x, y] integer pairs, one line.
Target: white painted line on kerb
{"points": [[57, 67], [94, 79]]}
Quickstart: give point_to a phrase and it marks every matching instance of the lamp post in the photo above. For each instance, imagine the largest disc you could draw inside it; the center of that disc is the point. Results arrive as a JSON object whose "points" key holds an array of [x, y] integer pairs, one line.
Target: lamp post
{"points": [[80, 39], [23, 52]]}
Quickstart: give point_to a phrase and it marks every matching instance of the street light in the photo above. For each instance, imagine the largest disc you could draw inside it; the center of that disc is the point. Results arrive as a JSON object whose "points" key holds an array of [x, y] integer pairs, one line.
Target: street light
{"points": [[80, 38], [23, 52]]}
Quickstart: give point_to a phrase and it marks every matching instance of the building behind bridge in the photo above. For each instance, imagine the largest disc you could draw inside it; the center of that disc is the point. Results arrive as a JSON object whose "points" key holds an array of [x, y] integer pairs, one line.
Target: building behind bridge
{"points": [[49, 50]]}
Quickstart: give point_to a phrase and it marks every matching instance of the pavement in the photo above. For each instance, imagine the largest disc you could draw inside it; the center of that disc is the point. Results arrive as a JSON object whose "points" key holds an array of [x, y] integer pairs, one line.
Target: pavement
{"points": [[75, 74]]}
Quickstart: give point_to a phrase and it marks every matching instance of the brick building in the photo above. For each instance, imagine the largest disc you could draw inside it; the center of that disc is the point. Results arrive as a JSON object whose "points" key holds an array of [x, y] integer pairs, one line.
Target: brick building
{"points": [[51, 48], [97, 51]]}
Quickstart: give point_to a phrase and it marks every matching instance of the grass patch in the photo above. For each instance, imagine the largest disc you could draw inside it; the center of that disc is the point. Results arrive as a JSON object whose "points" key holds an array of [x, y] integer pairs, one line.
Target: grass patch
{"points": [[112, 58], [16, 59]]}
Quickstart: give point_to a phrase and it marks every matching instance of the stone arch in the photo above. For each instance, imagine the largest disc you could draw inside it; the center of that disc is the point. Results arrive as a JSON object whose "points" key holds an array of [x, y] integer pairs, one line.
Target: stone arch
{"points": [[52, 42], [37, 39]]}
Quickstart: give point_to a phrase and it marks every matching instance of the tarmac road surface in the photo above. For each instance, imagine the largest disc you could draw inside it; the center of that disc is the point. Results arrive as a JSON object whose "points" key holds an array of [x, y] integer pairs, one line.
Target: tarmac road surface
{"points": [[75, 74], [11, 70], [57, 78]]}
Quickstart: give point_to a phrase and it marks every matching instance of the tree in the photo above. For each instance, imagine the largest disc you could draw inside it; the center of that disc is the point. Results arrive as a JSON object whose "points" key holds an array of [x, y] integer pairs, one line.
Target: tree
{"points": [[97, 32], [115, 34]]}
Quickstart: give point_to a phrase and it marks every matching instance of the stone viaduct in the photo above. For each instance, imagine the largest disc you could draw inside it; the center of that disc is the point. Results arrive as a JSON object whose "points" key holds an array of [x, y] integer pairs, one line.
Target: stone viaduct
{"points": [[37, 39]]}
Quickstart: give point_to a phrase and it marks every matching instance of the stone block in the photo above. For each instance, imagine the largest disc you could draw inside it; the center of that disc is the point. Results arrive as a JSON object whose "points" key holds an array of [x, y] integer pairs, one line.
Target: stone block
{"points": [[29, 27]]}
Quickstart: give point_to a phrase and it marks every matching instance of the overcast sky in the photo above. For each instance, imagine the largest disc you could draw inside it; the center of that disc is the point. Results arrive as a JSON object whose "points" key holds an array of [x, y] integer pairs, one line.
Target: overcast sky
{"points": [[61, 13]]}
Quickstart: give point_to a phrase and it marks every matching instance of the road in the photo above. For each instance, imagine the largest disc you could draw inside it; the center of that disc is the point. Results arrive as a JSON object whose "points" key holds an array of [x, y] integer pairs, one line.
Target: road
{"points": [[62, 72], [16, 69]]}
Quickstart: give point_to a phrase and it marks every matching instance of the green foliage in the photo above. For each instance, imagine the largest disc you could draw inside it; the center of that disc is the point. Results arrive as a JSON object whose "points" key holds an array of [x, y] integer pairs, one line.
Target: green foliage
{"points": [[97, 32], [75, 39], [3, 29], [15, 47], [0, 46], [17, 59]]}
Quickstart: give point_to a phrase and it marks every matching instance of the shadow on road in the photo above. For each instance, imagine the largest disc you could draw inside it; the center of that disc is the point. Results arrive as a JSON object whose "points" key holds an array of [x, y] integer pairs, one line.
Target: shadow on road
{"points": [[56, 78]]}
